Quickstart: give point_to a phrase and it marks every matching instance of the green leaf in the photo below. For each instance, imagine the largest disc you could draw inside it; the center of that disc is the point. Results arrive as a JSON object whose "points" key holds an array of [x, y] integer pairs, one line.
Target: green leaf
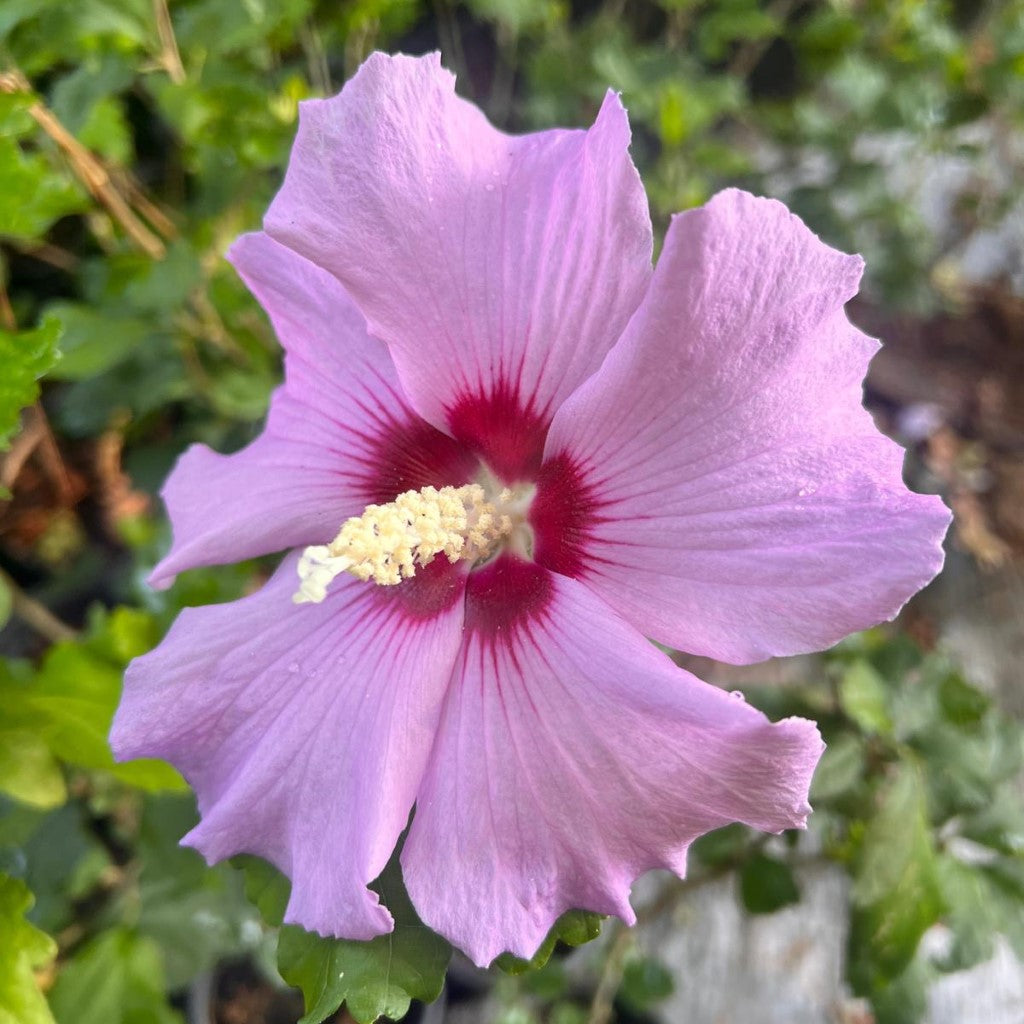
{"points": [[896, 894], [62, 860], [840, 770], [862, 696], [904, 1000], [164, 286], [374, 979], [645, 982], [106, 131], [23, 949], [975, 913], [767, 885], [242, 395], [573, 928], [93, 341], [265, 887], [117, 978], [70, 701], [196, 914], [961, 703], [34, 195], [25, 356], [28, 770], [724, 846], [15, 119]]}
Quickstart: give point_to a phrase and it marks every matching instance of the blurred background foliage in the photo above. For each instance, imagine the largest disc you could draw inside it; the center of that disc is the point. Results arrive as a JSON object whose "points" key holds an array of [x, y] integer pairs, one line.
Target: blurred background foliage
{"points": [[139, 137]]}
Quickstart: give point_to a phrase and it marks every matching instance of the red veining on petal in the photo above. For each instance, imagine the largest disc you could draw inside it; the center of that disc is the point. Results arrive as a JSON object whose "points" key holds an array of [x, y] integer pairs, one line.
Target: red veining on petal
{"points": [[506, 596], [506, 432], [434, 589], [410, 454], [563, 512]]}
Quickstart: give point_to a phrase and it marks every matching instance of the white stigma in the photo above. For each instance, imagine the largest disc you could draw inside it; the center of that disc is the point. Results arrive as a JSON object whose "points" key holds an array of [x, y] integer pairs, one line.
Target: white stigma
{"points": [[387, 542]]}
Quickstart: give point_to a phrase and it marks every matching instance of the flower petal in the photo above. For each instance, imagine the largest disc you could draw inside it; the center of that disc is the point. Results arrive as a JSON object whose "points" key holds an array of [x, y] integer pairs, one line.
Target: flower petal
{"points": [[725, 488], [495, 267], [339, 435], [303, 729], [572, 756]]}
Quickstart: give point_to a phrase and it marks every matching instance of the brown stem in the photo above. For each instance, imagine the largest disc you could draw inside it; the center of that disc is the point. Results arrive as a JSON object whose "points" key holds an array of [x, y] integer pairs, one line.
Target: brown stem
{"points": [[35, 614], [156, 217], [22, 447], [45, 252], [603, 1003], [170, 58], [53, 461], [7, 320]]}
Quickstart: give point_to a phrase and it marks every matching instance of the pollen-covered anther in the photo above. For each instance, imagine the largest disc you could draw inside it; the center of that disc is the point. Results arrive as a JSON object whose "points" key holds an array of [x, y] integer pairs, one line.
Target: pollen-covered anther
{"points": [[387, 542]]}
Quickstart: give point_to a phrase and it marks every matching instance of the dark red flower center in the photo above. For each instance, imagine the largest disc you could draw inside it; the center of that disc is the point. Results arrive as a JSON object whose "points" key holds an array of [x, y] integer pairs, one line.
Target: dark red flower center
{"points": [[499, 436]]}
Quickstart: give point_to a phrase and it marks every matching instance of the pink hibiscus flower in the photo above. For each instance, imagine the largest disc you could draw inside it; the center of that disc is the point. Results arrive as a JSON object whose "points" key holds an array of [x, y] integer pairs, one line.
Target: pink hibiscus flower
{"points": [[679, 454]]}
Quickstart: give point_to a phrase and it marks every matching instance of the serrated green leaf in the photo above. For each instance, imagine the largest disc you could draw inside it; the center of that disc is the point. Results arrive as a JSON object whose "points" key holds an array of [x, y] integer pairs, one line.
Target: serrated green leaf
{"points": [[23, 950], [374, 979], [25, 356], [117, 978], [767, 885]]}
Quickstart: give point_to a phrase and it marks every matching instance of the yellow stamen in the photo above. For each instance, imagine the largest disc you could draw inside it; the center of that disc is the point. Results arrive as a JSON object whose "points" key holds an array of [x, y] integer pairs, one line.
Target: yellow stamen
{"points": [[387, 542]]}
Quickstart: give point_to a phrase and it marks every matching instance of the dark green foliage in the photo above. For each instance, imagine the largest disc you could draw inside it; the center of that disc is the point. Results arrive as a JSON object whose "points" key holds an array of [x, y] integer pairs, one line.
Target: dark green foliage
{"points": [[373, 979], [645, 983], [767, 885]]}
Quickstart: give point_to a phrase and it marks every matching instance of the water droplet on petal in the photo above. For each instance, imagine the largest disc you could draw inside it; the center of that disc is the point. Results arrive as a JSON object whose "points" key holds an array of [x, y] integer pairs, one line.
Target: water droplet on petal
{"points": [[489, 187], [738, 694], [293, 667]]}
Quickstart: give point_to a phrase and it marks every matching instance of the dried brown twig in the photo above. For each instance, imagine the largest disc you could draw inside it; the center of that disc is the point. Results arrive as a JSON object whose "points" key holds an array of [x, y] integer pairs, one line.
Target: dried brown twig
{"points": [[170, 57], [35, 614]]}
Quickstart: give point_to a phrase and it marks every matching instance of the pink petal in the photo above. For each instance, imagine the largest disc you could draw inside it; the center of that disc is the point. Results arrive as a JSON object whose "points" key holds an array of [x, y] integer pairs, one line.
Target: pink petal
{"points": [[495, 267], [339, 435], [573, 756], [718, 481], [304, 730]]}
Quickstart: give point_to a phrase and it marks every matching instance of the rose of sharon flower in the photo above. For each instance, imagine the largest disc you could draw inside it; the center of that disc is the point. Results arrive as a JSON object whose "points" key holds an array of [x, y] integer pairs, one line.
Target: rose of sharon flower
{"points": [[564, 454]]}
